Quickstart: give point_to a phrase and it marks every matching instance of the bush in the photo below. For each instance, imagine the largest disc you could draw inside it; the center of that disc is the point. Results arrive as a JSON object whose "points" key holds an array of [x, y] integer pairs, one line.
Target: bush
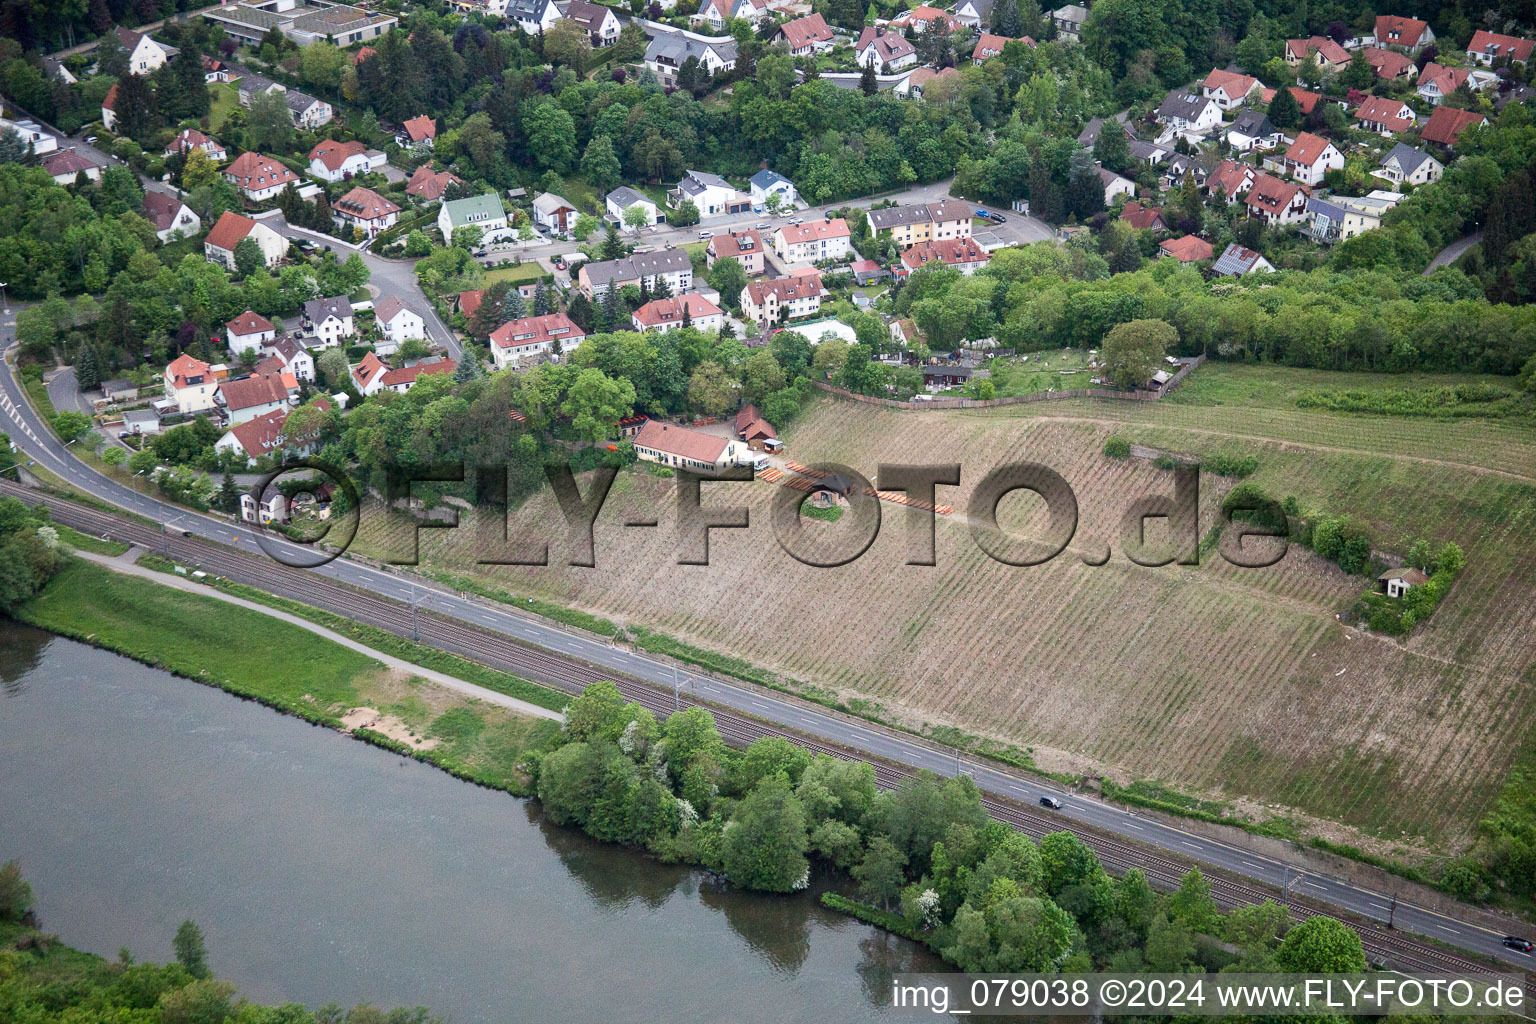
{"points": [[1250, 503], [1231, 465], [1117, 448]]}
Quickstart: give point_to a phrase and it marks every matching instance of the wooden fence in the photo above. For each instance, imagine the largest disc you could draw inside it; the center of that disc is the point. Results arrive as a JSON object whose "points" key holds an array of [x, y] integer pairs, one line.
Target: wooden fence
{"points": [[1188, 366]]}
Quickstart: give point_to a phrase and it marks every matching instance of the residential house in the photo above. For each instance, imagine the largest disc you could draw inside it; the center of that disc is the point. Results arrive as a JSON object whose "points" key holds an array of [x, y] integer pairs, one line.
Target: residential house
{"points": [[884, 50], [38, 140], [744, 246], [1436, 82], [144, 54], [989, 46], [974, 14], [418, 132], [1090, 133], [216, 71], [963, 254], [245, 398], [483, 211], [534, 17], [1488, 47], [251, 85], [941, 376], [622, 199], [430, 185], [1321, 50], [373, 375], [923, 222], [66, 166], [1390, 65], [1229, 89], [689, 309], [643, 270], [1188, 249], [259, 177], [307, 112], [1069, 22], [805, 36], [1276, 201], [711, 194], [602, 25], [1252, 129], [716, 13], [1187, 112], [783, 298], [190, 383], [336, 161], [367, 374], [1397, 582], [1143, 217], [519, 343], [259, 436], [681, 448], [919, 79], [1383, 116], [1115, 185], [56, 69], [119, 389], [141, 421], [767, 183], [1181, 167], [867, 272], [1235, 261], [364, 209], [329, 320], [231, 229], [816, 241], [1446, 124], [190, 139], [927, 19], [248, 332], [170, 216], [1404, 164], [292, 358], [397, 323], [553, 213], [1339, 218], [1409, 34], [1312, 156], [756, 431], [263, 509], [668, 51]]}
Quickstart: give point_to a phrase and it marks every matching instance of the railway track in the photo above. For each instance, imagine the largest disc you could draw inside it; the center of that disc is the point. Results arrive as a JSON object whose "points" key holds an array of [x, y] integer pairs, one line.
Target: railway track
{"points": [[569, 674]]}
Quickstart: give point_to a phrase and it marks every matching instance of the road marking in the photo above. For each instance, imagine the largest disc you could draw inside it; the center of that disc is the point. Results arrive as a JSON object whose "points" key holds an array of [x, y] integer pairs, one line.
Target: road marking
{"points": [[1192, 846], [1314, 885], [1448, 931], [1378, 906], [1251, 864], [1135, 826]]}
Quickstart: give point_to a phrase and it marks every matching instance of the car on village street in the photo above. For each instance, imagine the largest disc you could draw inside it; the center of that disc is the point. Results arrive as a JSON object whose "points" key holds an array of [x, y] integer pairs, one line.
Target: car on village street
{"points": [[1051, 802], [1518, 944]]}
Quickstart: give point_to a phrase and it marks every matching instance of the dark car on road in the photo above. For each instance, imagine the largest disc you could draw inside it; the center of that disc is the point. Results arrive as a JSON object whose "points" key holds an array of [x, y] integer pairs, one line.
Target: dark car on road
{"points": [[1515, 942], [1051, 802]]}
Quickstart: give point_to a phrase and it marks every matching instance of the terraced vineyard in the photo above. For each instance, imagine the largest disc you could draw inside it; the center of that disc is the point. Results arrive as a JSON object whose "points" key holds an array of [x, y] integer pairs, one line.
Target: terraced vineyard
{"points": [[1232, 683]]}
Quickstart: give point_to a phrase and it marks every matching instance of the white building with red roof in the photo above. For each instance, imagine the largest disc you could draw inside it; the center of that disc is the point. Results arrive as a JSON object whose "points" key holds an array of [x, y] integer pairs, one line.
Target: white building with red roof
{"points": [[190, 139], [744, 246], [417, 133], [1310, 157], [1230, 179], [336, 161], [231, 229], [963, 254], [364, 208], [1229, 89], [813, 242], [249, 332], [373, 375], [190, 384], [245, 398], [430, 185], [681, 448], [783, 298], [1487, 47], [1404, 33], [259, 177], [1276, 201], [1383, 116], [925, 18], [989, 46], [805, 36], [884, 49], [687, 310], [1325, 53], [532, 339]]}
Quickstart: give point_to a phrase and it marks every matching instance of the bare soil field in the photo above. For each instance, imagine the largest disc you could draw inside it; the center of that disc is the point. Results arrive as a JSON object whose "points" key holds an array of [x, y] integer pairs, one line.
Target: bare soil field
{"points": [[1233, 684]]}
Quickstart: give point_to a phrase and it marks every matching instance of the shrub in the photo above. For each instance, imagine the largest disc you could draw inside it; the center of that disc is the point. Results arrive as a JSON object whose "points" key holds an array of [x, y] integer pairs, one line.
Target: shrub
{"points": [[1231, 465], [1117, 448]]}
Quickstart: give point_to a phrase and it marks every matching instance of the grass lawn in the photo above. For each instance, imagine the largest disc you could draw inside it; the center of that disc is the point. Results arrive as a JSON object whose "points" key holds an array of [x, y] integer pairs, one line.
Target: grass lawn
{"points": [[85, 542], [226, 98], [1282, 387], [582, 195], [1036, 372], [529, 271]]}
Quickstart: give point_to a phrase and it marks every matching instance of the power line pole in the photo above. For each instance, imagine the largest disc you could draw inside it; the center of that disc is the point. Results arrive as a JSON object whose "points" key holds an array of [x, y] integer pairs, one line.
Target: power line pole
{"points": [[676, 697], [1392, 913]]}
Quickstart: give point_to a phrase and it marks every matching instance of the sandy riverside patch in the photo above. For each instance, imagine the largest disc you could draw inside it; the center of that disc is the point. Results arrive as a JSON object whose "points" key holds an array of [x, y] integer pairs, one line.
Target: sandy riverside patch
{"points": [[385, 725]]}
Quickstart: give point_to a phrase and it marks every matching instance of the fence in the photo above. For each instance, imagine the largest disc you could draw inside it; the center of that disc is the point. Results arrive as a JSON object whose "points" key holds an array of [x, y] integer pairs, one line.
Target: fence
{"points": [[1185, 369]]}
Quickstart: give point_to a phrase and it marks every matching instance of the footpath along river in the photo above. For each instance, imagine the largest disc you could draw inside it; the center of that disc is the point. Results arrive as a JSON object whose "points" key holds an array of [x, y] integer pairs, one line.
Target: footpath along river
{"points": [[324, 869]]}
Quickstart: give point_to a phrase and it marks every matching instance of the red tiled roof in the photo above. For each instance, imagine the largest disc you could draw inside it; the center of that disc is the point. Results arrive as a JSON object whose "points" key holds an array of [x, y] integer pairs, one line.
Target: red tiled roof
{"points": [[1447, 80], [363, 54], [1236, 85], [190, 139], [229, 230], [470, 301], [1326, 48], [680, 441], [888, 45], [1187, 249], [420, 128], [745, 415], [249, 392], [1307, 150], [1271, 194], [730, 244], [1387, 63], [1141, 217], [926, 13], [365, 204], [759, 427], [949, 251], [262, 434], [1380, 110], [803, 32], [249, 323], [254, 171], [184, 369], [1231, 177], [67, 162], [1494, 45], [109, 101], [160, 209], [815, 230], [535, 330], [409, 374], [786, 288], [333, 154], [1399, 31], [989, 46], [367, 368], [429, 184], [1447, 123], [665, 312]]}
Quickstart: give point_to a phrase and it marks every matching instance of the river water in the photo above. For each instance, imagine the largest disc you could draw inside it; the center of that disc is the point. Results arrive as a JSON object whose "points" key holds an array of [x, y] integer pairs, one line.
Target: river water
{"points": [[324, 869]]}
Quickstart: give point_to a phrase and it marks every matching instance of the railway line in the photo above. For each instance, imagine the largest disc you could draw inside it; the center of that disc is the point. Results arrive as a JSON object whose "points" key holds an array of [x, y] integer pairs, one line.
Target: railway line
{"points": [[569, 674]]}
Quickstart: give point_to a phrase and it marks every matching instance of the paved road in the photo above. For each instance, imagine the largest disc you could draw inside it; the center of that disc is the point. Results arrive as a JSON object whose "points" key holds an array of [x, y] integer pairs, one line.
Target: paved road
{"points": [[34, 439], [64, 392], [1451, 253]]}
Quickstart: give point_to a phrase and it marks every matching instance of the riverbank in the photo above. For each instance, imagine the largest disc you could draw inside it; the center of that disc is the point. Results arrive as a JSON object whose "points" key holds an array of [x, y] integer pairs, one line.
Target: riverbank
{"points": [[253, 655]]}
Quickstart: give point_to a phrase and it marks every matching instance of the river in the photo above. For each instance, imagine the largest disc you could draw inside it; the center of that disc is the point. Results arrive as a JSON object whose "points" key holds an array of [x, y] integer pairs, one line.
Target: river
{"points": [[324, 869]]}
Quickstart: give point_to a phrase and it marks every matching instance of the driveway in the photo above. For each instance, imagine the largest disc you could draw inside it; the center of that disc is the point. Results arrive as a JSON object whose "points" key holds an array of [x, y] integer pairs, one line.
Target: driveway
{"points": [[1451, 253], [64, 392]]}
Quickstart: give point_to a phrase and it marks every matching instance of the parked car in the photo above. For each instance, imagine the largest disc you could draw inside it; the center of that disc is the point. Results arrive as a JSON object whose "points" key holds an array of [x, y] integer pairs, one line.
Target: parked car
{"points": [[831, 214], [1051, 802], [998, 218], [706, 234], [559, 263], [1518, 944], [764, 226], [90, 140]]}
